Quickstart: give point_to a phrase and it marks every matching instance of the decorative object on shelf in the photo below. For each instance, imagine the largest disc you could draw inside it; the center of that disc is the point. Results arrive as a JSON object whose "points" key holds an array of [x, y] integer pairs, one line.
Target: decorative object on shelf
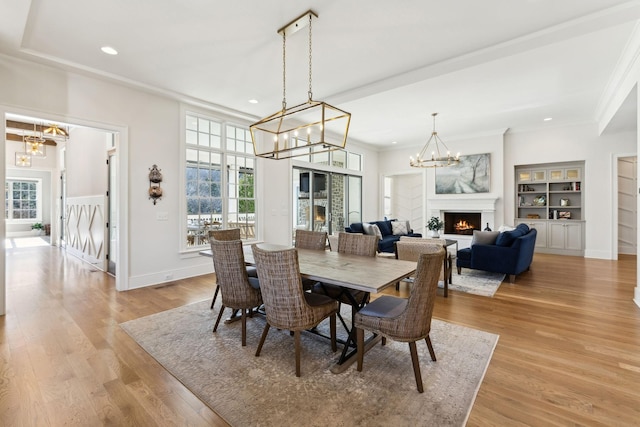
{"points": [[437, 158], [533, 216], [487, 228], [540, 200], [434, 225], [564, 202], [564, 215], [155, 178], [311, 127]]}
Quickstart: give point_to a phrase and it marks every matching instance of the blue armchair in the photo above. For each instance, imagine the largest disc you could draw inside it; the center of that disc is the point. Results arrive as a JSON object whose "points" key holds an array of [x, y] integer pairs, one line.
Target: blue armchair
{"points": [[511, 254]]}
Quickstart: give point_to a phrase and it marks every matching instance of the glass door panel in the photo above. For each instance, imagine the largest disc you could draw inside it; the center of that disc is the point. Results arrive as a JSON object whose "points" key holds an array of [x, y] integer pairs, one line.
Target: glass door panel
{"points": [[320, 190], [354, 198]]}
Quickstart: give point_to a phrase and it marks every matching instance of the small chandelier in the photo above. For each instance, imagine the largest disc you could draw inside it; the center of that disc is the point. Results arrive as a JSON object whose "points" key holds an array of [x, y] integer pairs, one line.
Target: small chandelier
{"points": [[437, 158], [23, 160], [34, 144], [308, 128], [56, 131]]}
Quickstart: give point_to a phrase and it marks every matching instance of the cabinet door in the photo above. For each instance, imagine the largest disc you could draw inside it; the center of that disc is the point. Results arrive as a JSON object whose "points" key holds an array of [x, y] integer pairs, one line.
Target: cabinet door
{"points": [[573, 236], [556, 236], [541, 228], [565, 174]]}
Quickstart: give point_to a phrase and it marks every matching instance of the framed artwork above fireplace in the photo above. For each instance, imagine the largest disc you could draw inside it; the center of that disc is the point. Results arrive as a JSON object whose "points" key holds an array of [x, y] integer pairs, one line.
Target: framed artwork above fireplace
{"points": [[471, 175]]}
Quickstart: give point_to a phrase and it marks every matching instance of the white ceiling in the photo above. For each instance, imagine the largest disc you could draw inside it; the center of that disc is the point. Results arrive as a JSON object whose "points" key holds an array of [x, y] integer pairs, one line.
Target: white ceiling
{"points": [[485, 66]]}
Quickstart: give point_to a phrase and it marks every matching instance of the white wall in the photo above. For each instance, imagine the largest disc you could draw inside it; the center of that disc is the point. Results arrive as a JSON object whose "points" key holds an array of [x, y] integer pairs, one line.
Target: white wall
{"points": [[397, 162]]}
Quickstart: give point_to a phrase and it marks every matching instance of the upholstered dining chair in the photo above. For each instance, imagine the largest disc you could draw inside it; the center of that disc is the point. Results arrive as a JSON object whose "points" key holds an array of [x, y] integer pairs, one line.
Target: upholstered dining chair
{"points": [[226, 235], [354, 244], [239, 291], [314, 240], [405, 251], [404, 320], [286, 305]]}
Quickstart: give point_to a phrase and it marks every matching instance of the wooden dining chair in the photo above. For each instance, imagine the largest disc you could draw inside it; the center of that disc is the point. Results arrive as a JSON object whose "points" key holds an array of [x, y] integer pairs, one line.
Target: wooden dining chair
{"points": [[286, 305], [314, 240], [239, 291], [225, 235], [404, 320], [411, 249]]}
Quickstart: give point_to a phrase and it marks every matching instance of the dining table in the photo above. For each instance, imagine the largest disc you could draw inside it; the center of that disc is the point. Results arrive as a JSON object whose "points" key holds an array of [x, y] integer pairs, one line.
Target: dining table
{"points": [[352, 272]]}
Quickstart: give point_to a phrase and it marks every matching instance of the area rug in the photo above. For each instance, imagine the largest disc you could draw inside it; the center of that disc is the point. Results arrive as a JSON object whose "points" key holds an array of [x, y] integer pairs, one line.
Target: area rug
{"points": [[264, 391], [476, 282]]}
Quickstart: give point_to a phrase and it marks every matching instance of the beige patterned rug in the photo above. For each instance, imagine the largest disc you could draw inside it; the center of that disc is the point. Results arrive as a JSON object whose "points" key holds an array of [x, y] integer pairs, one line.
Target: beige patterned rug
{"points": [[476, 282], [264, 391]]}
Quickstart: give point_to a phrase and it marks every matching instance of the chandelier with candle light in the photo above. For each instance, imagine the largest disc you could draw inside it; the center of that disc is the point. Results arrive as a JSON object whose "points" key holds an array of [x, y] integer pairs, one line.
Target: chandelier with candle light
{"points": [[435, 153], [309, 128]]}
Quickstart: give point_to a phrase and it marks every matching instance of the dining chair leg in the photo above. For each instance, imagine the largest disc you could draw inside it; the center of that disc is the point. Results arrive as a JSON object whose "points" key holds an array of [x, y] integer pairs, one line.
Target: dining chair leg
{"points": [[384, 340], [416, 365], [244, 327], [360, 347], [430, 347], [296, 340], [219, 317], [332, 330], [265, 331], [215, 295]]}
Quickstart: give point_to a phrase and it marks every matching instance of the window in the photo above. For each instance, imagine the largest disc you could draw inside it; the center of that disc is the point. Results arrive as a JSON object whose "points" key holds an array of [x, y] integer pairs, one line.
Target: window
{"points": [[220, 179], [22, 200]]}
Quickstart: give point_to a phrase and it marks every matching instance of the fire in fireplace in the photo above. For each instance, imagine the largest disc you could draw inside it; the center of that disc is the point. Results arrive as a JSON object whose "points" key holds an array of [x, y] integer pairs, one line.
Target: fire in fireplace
{"points": [[462, 222]]}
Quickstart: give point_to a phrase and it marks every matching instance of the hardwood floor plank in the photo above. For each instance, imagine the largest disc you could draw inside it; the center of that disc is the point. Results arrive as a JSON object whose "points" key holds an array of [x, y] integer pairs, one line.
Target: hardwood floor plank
{"points": [[568, 353]]}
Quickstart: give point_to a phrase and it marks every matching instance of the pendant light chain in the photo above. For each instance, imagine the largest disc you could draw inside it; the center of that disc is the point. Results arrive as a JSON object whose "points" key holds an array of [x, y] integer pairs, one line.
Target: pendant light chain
{"points": [[284, 70], [310, 91]]}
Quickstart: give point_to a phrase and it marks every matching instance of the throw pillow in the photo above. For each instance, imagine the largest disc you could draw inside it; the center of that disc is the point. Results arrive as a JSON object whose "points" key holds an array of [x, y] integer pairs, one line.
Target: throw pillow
{"points": [[376, 231], [484, 237], [399, 228], [385, 227], [505, 227], [367, 228], [508, 237]]}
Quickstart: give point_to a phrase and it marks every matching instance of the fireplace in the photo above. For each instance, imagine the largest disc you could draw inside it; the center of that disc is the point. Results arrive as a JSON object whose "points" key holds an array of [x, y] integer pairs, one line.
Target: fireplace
{"points": [[462, 222]]}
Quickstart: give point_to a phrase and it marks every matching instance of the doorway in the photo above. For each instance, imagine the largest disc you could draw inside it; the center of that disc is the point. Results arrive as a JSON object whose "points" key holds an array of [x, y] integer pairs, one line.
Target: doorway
{"points": [[404, 199], [627, 205]]}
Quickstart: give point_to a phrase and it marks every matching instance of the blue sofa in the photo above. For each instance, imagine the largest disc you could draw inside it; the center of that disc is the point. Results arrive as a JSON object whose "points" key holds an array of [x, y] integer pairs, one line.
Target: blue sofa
{"points": [[511, 253], [388, 240]]}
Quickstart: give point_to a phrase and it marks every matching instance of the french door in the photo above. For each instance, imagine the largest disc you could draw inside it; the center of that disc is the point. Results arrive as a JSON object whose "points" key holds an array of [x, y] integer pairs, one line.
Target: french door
{"points": [[325, 201]]}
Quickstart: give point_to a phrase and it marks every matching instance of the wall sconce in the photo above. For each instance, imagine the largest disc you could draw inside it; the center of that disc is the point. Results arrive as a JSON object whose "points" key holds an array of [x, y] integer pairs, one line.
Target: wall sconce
{"points": [[155, 178]]}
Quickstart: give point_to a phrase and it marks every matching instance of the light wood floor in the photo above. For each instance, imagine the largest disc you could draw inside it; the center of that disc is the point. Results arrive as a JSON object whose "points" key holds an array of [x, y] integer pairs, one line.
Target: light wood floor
{"points": [[568, 353]]}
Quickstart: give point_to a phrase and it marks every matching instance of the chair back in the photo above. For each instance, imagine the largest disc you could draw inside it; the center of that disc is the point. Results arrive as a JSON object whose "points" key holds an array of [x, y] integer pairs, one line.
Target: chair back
{"points": [[358, 244], [225, 235], [415, 322], [410, 250], [231, 274], [316, 240], [441, 242], [281, 287]]}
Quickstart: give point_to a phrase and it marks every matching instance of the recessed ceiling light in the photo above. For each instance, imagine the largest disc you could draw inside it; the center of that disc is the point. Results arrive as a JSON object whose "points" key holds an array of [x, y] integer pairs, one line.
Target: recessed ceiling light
{"points": [[394, 142], [548, 119], [109, 50], [253, 101]]}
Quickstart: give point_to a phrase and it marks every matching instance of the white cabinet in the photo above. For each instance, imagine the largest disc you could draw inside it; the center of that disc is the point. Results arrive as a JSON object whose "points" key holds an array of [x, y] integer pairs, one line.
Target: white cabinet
{"points": [[566, 236], [565, 174], [550, 198], [541, 228], [531, 175]]}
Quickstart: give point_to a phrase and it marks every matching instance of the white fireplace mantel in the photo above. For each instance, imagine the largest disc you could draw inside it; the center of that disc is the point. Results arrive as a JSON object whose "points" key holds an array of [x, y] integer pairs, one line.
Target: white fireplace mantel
{"points": [[486, 206], [462, 205]]}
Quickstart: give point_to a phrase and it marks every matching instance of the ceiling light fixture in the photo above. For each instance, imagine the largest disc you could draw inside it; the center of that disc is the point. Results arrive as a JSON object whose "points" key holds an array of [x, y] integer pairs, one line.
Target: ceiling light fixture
{"points": [[56, 131], [308, 128], [436, 159], [23, 160], [109, 50], [253, 101], [34, 144]]}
